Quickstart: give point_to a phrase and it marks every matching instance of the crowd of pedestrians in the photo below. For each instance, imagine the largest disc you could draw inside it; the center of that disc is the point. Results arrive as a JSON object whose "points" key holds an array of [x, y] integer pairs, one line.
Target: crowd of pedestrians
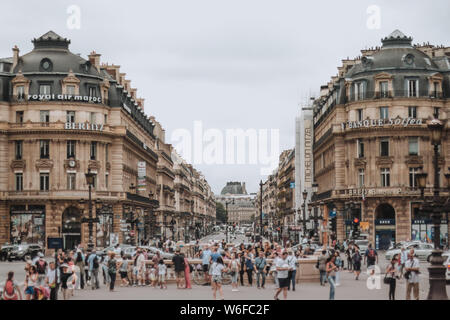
{"points": [[79, 269]]}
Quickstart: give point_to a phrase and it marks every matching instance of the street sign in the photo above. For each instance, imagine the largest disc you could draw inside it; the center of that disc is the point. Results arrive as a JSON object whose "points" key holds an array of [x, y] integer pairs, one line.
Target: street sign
{"points": [[54, 243]]}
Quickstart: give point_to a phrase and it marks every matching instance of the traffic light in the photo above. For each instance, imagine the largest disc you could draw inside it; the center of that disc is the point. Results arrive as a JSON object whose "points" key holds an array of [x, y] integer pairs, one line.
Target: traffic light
{"points": [[355, 228], [332, 224]]}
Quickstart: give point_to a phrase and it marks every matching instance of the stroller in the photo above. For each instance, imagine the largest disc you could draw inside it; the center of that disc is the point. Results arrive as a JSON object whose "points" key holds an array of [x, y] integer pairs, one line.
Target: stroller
{"points": [[41, 293]]}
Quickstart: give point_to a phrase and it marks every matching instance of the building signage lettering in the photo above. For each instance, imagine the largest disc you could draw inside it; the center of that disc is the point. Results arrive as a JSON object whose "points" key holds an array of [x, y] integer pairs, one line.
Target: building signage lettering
{"points": [[381, 123], [385, 222], [83, 126], [379, 191], [63, 97], [308, 153]]}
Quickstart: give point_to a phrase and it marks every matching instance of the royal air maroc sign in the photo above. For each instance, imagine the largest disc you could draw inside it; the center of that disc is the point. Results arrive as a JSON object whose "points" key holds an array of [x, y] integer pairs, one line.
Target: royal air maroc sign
{"points": [[368, 123], [63, 97]]}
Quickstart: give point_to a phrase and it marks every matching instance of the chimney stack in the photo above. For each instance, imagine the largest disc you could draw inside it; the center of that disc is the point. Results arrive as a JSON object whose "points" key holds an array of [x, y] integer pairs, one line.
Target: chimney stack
{"points": [[94, 58], [15, 57]]}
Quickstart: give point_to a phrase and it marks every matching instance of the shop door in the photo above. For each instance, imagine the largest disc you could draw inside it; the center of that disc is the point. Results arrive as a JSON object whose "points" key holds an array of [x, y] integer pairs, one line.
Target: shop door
{"points": [[71, 241]]}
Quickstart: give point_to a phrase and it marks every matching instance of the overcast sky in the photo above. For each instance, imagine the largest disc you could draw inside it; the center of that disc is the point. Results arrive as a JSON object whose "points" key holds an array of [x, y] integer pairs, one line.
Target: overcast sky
{"points": [[228, 63]]}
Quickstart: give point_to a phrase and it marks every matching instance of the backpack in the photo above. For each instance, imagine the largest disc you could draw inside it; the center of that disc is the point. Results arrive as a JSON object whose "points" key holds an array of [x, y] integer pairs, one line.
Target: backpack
{"points": [[371, 255], [9, 292], [95, 262]]}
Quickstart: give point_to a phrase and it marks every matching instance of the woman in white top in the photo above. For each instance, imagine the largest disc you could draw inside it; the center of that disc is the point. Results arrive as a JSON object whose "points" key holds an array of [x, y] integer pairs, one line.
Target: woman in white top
{"points": [[234, 266], [216, 271]]}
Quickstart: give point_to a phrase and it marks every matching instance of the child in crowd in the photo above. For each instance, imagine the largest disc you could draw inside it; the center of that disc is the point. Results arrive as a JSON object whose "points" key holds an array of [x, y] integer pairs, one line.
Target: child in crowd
{"points": [[162, 270], [153, 277]]}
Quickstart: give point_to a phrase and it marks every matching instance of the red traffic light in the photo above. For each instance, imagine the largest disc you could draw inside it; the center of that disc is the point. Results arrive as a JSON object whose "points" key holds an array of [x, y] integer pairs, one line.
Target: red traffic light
{"points": [[356, 220]]}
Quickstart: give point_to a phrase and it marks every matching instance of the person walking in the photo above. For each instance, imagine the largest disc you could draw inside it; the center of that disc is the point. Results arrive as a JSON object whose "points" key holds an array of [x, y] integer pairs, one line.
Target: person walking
{"points": [[242, 267], [260, 269], [178, 262], [216, 271], [392, 274], [282, 274], [11, 290], [331, 275], [356, 258], [234, 266], [94, 265], [249, 268], [321, 261], [123, 270], [349, 253], [31, 280], [65, 276], [52, 280], [112, 271], [206, 257], [187, 274], [371, 255], [412, 271], [339, 264], [79, 262], [292, 274]]}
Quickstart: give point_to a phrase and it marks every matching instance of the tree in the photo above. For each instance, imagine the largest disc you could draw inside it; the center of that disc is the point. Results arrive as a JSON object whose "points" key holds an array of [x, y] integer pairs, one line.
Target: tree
{"points": [[221, 214]]}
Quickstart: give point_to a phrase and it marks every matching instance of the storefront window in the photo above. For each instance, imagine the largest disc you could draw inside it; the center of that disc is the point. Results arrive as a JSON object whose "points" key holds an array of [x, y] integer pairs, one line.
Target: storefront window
{"points": [[27, 224]]}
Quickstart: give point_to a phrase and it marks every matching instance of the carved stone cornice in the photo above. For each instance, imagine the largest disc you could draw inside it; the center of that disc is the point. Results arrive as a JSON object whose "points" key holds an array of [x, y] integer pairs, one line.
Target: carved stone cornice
{"points": [[18, 164], [360, 162], [94, 165], [44, 164], [385, 161], [412, 161]]}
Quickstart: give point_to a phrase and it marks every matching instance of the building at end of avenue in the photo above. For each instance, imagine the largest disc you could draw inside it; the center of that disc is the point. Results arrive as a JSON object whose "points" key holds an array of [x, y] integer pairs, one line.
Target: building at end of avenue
{"points": [[371, 139], [62, 115]]}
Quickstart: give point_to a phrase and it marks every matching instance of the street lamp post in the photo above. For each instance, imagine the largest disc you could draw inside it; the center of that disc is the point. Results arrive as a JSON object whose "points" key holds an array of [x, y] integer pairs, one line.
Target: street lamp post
{"points": [[305, 195], [226, 217], [131, 219], [436, 206], [90, 178]]}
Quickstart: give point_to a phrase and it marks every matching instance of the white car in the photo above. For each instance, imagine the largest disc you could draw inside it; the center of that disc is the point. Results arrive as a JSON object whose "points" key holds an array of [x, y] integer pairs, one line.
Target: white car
{"points": [[447, 265], [422, 250]]}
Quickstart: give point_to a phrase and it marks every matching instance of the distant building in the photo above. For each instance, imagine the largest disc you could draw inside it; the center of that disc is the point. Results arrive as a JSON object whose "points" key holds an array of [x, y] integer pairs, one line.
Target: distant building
{"points": [[241, 206]]}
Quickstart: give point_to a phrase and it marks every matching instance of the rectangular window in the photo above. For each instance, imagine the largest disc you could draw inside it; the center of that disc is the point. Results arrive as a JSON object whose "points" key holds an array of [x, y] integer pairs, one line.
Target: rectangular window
{"points": [[412, 112], [436, 112], [45, 116], [385, 177], [71, 149], [412, 177], [19, 181], [413, 88], [106, 181], [20, 92], [413, 146], [93, 150], [359, 91], [361, 177], [436, 89], [19, 149], [360, 148], [19, 116], [92, 117], [71, 180], [106, 153], [45, 149], [92, 91], [70, 116], [384, 113], [384, 147], [45, 89], [70, 90], [360, 114], [105, 119], [384, 91], [44, 181]]}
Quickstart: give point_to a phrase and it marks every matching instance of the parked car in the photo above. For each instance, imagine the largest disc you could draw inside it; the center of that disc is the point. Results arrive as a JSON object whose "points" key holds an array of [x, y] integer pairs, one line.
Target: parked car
{"points": [[152, 251], [4, 251], [104, 252], [421, 250], [24, 252]]}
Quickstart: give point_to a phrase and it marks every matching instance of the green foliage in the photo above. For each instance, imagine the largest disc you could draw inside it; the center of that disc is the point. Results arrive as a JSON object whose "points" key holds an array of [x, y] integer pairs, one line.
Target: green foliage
{"points": [[221, 214]]}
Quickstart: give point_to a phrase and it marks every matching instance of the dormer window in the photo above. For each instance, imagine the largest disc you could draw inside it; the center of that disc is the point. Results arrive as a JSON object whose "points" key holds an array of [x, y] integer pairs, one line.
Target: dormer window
{"points": [[359, 91], [46, 65], [45, 89], [384, 89], [412, 87], [70, 90], [92, 91]]}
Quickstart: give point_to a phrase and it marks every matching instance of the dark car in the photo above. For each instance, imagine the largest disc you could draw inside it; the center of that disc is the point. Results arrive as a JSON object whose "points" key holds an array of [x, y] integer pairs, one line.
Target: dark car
{"points": [[4, 251], [24, 252]]}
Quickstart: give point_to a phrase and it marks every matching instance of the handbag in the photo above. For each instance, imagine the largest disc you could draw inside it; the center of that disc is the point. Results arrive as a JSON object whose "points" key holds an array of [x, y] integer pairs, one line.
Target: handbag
{"points": [[386, 280]]}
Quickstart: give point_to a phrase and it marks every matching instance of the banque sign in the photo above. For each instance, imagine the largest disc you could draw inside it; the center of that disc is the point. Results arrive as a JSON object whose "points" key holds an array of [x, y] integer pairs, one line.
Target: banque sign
{"points": [[63, 97], [381, 123]]}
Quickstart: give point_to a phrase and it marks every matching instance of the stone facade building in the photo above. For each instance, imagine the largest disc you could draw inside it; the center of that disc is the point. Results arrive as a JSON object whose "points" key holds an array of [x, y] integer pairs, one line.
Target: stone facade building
{"points": [[371, 138], [60, 116], [241, 206]]}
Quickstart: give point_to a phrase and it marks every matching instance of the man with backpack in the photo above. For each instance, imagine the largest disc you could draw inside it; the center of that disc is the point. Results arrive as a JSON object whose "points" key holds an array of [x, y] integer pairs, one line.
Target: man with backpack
{"points": [[94, 264], [371, 255]]}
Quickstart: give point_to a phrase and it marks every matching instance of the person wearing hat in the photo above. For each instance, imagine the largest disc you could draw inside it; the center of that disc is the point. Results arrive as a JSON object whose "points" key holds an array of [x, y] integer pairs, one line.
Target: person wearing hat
{"points": [[66, 274], [52, 280]]}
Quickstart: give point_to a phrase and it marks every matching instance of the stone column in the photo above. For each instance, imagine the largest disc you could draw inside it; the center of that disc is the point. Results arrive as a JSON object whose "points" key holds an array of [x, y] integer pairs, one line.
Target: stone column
{"points": [[118, 215], [340, 223]]}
